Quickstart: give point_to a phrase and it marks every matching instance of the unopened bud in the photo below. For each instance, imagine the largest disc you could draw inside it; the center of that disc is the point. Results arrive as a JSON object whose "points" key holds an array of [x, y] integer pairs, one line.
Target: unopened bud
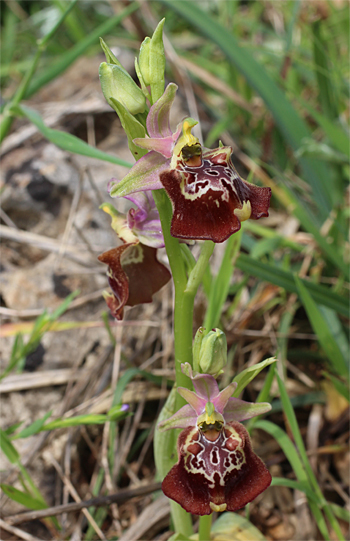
{"points": [[210, 352], [152, 61], [116, 83]]}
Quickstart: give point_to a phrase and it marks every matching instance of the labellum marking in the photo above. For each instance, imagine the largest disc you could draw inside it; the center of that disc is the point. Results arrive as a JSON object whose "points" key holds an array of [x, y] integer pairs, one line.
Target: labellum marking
{"points": [[133, 255], [209, 198], [216, 474], [213, 458]]}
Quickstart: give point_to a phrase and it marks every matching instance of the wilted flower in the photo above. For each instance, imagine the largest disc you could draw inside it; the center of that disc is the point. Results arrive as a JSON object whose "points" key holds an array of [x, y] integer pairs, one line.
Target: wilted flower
{"points": [[217, 469], [134, 272]]}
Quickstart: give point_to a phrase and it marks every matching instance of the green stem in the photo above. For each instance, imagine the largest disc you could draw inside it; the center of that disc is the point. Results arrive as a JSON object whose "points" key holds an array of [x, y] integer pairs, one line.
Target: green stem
{"points": [[204, 527], [199, 269], [182, 331], [181, 519], [172, 245]]}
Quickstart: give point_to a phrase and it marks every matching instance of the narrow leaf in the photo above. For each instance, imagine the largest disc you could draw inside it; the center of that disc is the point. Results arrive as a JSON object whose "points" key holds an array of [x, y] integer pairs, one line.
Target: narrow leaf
{"points": [[7, 448], [323, 330], [246, 376], [22, 497], [67, 141], [285, 279], [34, 428]]}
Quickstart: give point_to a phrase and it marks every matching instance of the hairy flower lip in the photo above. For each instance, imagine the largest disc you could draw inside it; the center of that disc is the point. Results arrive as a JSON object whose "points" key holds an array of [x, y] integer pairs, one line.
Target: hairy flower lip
{"points": [[219, 474], [217, 469], [210, 200]]}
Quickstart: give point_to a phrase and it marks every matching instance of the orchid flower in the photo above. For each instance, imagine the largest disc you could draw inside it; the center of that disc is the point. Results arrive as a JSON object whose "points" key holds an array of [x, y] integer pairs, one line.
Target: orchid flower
{"points": [[134, 272], [217, 469], [209, 198]]}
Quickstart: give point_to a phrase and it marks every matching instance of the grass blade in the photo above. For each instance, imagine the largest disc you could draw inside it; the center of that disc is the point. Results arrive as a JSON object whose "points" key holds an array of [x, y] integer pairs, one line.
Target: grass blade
{"points": [[7, 448], [22, 497], [67, 141], [287, 447], [326, 94], [75, 52], [290, 414], [323, 329], [6, 123], [336, 135], [34, 428], [220, 286], [296, 485], [285, 279]]}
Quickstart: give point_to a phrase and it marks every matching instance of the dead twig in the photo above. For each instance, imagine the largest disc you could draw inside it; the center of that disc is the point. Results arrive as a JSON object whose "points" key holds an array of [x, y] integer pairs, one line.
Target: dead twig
{"points": [[16, 531], [76, 497], [119, 498]]}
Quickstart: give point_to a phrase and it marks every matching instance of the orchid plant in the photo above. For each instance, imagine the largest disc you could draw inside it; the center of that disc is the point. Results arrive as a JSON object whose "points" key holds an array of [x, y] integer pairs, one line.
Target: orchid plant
{"points": [[182, 193]]}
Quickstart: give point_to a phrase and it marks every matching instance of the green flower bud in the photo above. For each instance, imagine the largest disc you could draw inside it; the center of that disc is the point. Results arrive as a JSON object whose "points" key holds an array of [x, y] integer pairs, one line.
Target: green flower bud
{"points": [[210, 352], [152, 62], [116, 83]]}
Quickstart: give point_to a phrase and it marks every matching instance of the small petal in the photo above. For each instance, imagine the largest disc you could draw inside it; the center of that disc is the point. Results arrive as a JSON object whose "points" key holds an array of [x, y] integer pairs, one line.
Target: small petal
{"points": [[134, 275], [197, 403], [150, 233], [158, 118], [183, 418], [119, 223], [163, 146], [144, 175], [210, 199], [204, 384], [215, 474], [144, 221], [224, 397], [239, 410], [144, 203]]}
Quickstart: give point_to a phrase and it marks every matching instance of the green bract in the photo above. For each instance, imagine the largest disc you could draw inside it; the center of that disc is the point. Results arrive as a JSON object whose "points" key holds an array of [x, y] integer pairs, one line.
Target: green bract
{"points": [[110, 57], [116, 83]]}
